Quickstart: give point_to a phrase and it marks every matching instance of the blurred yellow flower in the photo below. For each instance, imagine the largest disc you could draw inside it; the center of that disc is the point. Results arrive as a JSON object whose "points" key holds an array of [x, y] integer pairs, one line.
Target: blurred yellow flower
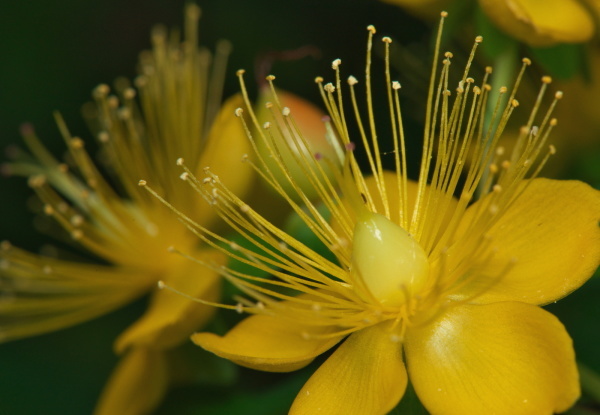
{"points": [[533, 22], [428, 271], [539, 23], [178, 115]]}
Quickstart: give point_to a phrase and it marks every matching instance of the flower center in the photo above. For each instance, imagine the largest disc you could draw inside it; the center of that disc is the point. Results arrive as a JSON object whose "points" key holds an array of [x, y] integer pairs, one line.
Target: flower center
{"points": [[392, 265]]}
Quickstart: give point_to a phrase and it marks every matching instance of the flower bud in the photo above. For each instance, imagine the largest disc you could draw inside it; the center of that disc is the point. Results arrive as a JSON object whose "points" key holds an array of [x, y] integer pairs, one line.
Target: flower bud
{"points": [[296, 132]]}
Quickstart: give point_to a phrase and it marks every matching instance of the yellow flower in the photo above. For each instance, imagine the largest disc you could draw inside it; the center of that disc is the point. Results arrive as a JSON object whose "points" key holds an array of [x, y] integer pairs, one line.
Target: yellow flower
{"points": [[427, 276], [535, 23], [541, 23], [178, 115]]}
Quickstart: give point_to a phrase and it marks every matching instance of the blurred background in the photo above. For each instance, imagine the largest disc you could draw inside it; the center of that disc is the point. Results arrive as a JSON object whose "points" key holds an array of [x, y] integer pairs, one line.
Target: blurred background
{"points": [[52, 55]]}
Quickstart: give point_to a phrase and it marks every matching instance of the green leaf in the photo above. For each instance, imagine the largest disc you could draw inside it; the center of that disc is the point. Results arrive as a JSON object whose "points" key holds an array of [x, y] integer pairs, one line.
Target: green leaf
{"points": [[590, 382], [586, 167], [459, 12], [190, 364], [410, 404], [295, 227], [578, 313], [251, 397], [495, 42], [562, 61]]}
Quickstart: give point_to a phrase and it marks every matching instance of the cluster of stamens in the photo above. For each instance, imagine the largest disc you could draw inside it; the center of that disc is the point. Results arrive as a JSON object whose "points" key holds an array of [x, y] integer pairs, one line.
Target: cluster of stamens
{"points": [[461, 162]]}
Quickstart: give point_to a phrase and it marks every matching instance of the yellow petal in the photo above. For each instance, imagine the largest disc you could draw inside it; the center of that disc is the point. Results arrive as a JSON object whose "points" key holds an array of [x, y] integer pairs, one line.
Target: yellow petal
{"points": [[552, 232], [504, 358], [137, 385], [226, 144], [540, 23], [171, 318], [444, 205], [268, 343], [365, 375]]}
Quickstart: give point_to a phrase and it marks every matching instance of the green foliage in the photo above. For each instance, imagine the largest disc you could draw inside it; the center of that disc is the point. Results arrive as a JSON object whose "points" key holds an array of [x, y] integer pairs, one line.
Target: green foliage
{"points": [[410, 404], [496, 43], [562, 61]]}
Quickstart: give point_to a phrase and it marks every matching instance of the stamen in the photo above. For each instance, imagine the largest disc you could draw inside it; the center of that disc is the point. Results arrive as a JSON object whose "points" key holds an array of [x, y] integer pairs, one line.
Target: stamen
{"points": [[368, 283]]}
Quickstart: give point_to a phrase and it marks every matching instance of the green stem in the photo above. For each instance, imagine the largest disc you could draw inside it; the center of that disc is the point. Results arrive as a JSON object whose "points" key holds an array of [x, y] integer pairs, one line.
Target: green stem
{"points": [[505, 67], [590, 381]]}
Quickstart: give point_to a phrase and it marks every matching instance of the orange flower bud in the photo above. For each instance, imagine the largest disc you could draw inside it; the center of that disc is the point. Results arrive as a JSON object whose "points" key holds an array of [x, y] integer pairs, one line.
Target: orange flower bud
{"points": [[296, 129]]}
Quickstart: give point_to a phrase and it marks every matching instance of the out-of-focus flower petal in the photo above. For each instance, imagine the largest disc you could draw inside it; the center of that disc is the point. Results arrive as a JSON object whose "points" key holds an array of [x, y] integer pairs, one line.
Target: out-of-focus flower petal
{"points": [[38, 291], [541, 23], [226, 144], [137, 385], [171, 317]]}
